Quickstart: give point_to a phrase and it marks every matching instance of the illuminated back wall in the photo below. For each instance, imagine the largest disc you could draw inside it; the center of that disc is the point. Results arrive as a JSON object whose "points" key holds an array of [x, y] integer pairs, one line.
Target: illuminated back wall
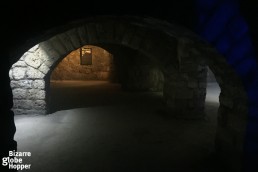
{"points": [[98, 66]]}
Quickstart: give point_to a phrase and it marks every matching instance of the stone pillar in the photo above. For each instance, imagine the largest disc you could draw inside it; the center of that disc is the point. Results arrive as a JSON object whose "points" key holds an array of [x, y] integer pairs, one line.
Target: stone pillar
{"points": [[185, 91], [7, 126], [143, 78], [232, 123], [137, 72], [28, 83]]}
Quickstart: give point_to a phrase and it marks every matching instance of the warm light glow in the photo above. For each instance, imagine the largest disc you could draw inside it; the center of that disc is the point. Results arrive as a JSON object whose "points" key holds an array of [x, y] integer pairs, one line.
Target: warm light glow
{"points": [[87, 50]]}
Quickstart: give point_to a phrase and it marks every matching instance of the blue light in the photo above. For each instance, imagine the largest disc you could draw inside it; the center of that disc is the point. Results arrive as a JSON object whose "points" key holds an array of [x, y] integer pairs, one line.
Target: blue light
{"points": [[223, 44], [217, 22], [253, 114], [252, 90], [238, 28], [243, 70], [241, 50], [208, 5], [202, 19], [227, 30]]}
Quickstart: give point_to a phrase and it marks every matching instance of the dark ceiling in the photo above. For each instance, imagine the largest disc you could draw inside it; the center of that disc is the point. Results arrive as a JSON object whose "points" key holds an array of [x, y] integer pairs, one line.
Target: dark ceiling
{"points": [[22, 20], [26, 19]]}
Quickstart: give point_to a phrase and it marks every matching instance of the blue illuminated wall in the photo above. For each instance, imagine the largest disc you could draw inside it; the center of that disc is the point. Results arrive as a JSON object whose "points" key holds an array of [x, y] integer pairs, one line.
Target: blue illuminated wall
{"points": [[221, 24]]}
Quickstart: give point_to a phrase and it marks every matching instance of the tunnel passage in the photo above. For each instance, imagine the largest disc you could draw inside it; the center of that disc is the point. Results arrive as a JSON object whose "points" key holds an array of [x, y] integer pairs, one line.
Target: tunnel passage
{"points": [[125, 67], [99, 65], [79, 71], [184, 88], [172, 48], [136, 71]]}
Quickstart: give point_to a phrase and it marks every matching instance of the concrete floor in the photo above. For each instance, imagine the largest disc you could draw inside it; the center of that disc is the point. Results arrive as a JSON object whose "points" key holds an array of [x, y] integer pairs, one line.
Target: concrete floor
{"points": [[103, 129]]}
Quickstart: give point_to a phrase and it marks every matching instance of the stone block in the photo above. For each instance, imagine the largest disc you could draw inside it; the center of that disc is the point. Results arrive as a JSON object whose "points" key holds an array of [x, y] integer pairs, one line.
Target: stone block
{"points": [[38, 84], [57, 46], [185, 76], [22, 104], [29, 111], [189, 67], [19, 73], [177, 84], [44, 68], [109, 30], [19, 63], [137, 39], [32, 60], [192, 84], [20, 111], [202, 75], [83, 35], [182, 103], [128, 35], [202, 84], [34, 73], [184, 94], [74, 38], [170, 103], [66, 42], [101, 31], [199, 103], [19, 93], [92, 33], [21, 84], [236, 122], [242, 108], [43, 54], [119, 32], [148, 44], [226, 101], [49, 62], [50, 52], [11, 74], [39, 104], [191, 104], [36, 94], [34, 48]]}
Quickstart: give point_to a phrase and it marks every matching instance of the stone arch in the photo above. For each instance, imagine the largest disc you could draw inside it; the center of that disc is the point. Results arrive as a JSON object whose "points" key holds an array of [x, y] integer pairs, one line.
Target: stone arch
{"points": [[33, 69], [173, 48], [101, 68]]}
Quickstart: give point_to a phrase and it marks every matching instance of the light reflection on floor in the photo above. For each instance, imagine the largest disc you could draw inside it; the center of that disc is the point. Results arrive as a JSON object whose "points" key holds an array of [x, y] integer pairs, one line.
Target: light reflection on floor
{"points": [[120, 134]]}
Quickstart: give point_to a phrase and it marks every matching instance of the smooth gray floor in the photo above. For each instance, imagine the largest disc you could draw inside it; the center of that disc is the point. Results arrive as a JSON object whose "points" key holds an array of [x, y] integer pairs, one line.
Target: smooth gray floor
{"points": [[116, 132]]}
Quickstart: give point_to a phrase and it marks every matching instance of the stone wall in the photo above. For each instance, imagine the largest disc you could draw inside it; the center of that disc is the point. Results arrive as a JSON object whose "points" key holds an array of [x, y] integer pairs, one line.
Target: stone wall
{"points": [[210, 76], [136, 71], [28, 84], [144, 78], [185, 91], [185, 84], [69, 68]]}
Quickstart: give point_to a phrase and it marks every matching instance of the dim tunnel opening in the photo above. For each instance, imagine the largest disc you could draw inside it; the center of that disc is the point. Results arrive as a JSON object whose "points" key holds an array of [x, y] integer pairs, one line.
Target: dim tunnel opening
{"points": [[105, 81], [78, 75], [212, 97]]}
